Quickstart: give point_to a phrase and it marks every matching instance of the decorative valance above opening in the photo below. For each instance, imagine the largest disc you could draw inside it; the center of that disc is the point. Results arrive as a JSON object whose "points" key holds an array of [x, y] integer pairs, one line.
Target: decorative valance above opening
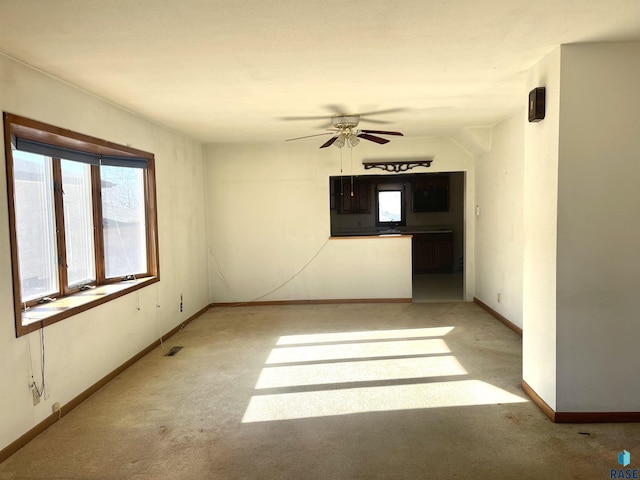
{"points": [[396, 166]]}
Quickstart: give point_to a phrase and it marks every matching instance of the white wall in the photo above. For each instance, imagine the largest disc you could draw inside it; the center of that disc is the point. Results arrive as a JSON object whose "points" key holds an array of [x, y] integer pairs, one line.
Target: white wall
{"points": [[598, 232], [540, 207], [268, 212], [84, 348], [499, 241]]}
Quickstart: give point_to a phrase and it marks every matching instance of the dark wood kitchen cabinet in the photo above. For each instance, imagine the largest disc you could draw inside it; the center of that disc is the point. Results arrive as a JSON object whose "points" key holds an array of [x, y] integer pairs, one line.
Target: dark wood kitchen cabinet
{"points": [[431, 193], [433, 252], [352, 195]]}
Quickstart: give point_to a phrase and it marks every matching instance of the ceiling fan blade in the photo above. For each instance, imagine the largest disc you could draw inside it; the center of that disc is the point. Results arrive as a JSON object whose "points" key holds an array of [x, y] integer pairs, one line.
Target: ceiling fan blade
{"points": [[372, 138], [374, 120], [382, 132], [381, 112], [329, 142], [309, 136], [337, 109], [314, 117]]}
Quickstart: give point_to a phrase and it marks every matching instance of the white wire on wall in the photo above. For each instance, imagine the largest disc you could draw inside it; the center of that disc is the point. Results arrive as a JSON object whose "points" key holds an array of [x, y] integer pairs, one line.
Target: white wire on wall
{"points": [[40, 390], [302, 269]]}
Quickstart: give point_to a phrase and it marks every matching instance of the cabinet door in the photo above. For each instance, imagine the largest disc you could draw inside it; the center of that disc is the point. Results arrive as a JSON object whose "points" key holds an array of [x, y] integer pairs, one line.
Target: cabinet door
{"points": [[352, 195], [444, 253], [432, 253], [362, 192], [431, 194], [423, 253]]}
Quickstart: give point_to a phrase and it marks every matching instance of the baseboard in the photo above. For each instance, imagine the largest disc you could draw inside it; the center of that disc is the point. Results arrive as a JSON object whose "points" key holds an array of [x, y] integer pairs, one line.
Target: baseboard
{"points": [[597, 417], [579, 417], [537, 399], [337, 301], [66, 408], [498, 317]]}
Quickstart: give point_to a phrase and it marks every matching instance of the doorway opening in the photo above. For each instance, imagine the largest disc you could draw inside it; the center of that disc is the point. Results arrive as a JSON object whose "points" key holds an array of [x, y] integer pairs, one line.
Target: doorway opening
{"points": [[428, 206]]}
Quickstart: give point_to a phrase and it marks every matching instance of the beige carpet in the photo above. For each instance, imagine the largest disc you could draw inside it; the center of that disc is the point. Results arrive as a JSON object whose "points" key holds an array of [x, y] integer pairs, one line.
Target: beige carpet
{"points": [[393, 391]]}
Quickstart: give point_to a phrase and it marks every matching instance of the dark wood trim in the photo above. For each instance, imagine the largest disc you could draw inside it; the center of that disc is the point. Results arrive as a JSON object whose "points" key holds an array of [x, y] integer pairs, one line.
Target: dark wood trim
{"points": [[337, 301], [579, 417], [597, 417], [397, 166], [98, 238], [152, 219], [69, 312], [498, 317], [65, 409], [63, 285], [29, 129], [27, 437], [535, 398], [13, 239], [20, 127]]}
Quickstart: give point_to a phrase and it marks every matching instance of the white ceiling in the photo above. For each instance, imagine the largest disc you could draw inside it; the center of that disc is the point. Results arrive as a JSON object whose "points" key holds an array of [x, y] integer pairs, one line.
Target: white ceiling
{"points": [[230, 70]]}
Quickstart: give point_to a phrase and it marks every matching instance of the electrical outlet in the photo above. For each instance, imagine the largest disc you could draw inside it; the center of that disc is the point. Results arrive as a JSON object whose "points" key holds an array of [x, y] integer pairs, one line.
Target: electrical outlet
{"points": [[36, 397]]}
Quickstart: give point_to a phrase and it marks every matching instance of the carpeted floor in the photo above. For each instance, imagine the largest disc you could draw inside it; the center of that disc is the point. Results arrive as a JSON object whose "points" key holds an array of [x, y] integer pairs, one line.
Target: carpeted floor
{"points": [[379, 391]]}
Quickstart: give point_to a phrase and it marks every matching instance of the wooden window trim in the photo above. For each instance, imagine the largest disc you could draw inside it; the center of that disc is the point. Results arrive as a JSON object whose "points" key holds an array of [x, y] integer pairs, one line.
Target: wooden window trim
{"points": [[74, 301]]}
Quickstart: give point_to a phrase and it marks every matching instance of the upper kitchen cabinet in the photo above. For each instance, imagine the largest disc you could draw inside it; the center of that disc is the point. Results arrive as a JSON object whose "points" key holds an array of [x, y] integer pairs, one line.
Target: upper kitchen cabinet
{"points": [[351, 194], [431, 193]]}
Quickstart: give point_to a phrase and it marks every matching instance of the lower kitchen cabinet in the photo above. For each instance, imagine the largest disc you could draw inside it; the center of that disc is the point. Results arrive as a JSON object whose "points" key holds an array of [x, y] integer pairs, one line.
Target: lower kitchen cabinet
{"points": [[433, 252]]}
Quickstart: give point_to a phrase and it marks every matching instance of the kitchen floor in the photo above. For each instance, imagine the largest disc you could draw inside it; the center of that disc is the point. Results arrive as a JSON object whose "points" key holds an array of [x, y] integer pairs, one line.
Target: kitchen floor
{"points": [[437, 287]]}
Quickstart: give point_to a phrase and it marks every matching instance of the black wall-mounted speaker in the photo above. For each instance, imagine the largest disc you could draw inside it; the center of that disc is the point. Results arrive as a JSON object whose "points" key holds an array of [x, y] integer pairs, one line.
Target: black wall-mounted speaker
{"points": [[536, 104]]}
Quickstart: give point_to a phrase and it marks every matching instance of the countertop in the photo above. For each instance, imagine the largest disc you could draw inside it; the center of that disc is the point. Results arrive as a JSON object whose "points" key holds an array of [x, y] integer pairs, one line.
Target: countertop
{"points": [[392, 232]]}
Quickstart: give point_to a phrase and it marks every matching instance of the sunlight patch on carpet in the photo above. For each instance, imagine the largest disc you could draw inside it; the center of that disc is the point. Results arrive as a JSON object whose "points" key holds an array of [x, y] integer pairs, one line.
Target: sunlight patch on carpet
{"points": [[346, 351], [368, 335], [362, 371], [288, 406]]}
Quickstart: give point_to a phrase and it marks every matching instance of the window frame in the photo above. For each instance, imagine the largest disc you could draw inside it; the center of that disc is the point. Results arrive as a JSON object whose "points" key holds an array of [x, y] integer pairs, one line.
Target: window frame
{"points": [[16, 127]]}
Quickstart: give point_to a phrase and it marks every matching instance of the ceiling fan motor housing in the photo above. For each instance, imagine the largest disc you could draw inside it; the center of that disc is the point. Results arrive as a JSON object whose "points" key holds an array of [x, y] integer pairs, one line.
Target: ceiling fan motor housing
{"points": [[345, 121]]}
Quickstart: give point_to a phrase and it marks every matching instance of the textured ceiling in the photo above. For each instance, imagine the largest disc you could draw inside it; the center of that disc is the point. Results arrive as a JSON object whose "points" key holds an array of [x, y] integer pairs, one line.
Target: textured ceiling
{"points": [[228, 71]]}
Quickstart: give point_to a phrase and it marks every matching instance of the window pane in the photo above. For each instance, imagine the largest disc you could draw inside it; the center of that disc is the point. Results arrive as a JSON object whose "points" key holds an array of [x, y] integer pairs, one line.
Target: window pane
{"points": [[390, 206], [124, 223], [35, 225], [78, 222]]}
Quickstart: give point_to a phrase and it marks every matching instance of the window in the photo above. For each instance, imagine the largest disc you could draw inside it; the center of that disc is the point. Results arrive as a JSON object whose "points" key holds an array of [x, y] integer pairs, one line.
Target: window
{"points": [[390, 206], [82, 221]]}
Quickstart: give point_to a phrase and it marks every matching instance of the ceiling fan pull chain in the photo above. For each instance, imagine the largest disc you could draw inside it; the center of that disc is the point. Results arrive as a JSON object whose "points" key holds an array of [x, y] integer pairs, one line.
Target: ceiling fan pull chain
{"points": [[351, 150]]}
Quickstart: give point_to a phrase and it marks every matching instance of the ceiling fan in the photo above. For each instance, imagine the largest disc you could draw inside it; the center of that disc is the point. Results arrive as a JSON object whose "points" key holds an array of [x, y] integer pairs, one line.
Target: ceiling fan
{"points": [[344, 130]]}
